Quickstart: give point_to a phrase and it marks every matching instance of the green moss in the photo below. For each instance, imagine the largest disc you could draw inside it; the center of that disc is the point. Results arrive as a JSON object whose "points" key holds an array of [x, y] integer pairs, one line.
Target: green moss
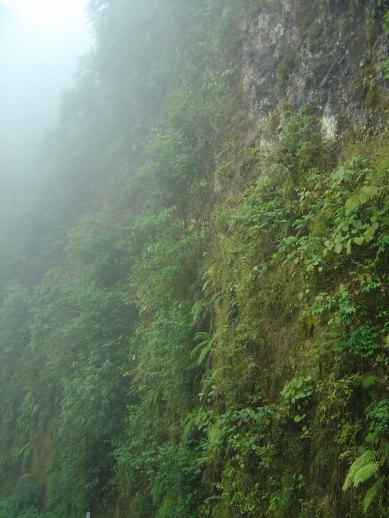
{"points": [[373, 96], [284, 68], [315, 36]]}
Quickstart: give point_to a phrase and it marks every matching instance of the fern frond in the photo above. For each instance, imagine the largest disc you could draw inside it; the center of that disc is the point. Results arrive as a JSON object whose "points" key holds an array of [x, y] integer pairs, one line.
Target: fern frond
{"points": [[348, 481], [371, 493], [204, 353], [203, 340], [369, 456], [202, 349], [201, 336], [365, 473]]}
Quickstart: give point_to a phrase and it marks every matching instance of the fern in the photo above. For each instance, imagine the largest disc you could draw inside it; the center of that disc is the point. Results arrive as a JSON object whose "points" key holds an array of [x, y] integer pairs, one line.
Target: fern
{"points": [[371, 493], [365, 473], [354, 477], [202, 349], [362, 469]]}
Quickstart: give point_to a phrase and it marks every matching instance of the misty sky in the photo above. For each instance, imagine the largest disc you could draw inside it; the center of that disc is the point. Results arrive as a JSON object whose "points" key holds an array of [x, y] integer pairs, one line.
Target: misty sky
{"points": [[40, 43]]}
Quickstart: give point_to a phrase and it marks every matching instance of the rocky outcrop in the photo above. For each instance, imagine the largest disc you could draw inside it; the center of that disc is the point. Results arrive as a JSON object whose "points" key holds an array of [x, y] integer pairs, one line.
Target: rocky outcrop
{"points": [[295, 51]]}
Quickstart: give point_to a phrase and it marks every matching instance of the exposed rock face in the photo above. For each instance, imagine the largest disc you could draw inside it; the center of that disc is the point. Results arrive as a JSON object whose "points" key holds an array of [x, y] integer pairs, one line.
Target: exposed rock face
{"points": [[295, 51]]}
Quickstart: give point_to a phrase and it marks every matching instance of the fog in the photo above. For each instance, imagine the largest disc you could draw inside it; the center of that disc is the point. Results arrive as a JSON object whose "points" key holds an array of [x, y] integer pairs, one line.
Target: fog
{"points": [[39, 53]]}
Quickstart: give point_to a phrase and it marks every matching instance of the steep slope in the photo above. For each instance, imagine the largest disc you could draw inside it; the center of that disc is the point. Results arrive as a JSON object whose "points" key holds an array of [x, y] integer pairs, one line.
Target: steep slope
{"points": [[202, 331]]}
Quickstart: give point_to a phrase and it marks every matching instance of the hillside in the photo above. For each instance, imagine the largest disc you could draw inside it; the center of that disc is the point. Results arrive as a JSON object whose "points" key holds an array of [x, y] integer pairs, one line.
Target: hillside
{"points": [[193, 317]]}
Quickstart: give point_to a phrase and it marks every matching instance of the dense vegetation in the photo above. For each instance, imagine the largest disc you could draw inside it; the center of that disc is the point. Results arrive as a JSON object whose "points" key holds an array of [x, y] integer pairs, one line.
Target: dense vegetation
{"points": [[191, 325]]}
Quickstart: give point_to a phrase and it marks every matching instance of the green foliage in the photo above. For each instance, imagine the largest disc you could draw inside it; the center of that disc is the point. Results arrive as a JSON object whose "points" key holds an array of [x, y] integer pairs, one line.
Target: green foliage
{"points": [[244, 435], [24, 501], [298, 389], [378, 415], [203, 332], [372, 493], [302, 223], [362, 469], [300, 141], [297, 393]]}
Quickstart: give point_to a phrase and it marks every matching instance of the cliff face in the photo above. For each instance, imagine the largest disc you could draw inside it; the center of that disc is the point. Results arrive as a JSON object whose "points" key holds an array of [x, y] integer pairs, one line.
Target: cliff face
{"points": [[298, 51], [209, 338]]}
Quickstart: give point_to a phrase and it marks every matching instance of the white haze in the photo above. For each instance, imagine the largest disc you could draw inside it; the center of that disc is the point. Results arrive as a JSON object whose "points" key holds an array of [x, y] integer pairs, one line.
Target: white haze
{"points": [[39, 51]]}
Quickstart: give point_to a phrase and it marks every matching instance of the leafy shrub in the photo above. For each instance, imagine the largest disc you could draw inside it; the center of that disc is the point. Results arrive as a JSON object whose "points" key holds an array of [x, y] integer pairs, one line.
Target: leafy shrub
{"points": [[24, 501]]}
